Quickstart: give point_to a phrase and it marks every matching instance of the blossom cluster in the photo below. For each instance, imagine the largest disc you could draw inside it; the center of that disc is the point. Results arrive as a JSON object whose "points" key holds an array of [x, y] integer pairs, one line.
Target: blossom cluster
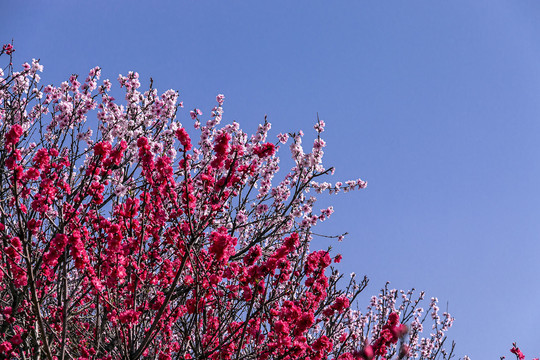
{"points": [[517, 352]]}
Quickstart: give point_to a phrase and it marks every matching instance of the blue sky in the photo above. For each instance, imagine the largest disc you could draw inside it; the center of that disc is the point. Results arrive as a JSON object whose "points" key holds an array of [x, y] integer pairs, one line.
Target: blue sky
{"points": [[434, 103]]}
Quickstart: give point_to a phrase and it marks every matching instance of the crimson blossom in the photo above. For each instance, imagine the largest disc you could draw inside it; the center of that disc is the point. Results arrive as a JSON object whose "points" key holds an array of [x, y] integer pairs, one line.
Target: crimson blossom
{"points": [[124, 238], [517, 352]]}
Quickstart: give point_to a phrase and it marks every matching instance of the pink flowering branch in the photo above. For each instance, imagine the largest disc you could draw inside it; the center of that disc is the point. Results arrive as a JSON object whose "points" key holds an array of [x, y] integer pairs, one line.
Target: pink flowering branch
{"points": [[517, 352]]}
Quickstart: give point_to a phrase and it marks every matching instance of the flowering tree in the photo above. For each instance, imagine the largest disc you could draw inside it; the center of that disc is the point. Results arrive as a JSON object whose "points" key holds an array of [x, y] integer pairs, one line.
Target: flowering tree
{"points": [[121, 238]]}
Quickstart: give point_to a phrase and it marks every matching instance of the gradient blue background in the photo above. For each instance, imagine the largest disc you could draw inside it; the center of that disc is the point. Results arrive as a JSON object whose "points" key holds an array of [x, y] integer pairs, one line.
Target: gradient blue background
{"points": [[434, 103]]}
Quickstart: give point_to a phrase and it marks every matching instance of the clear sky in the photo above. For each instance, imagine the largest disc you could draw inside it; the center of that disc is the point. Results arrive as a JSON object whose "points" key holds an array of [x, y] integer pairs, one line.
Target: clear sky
{"points": [[434, 103]]}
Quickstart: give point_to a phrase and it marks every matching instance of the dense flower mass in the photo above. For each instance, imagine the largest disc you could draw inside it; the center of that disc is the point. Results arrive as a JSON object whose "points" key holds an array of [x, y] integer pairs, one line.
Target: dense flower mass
{"points": [[124, 236]]}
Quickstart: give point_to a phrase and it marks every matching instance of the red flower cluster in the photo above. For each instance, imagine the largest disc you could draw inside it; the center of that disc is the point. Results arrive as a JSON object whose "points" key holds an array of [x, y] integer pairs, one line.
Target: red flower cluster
{"points": [[516, 351], [183, 136], [8, 49], [13, 135]]}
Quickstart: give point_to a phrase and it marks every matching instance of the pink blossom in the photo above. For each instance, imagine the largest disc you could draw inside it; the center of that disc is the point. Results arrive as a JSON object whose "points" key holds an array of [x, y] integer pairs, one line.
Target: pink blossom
{"points": [[13, 135], [8, 49], [220, 98]]}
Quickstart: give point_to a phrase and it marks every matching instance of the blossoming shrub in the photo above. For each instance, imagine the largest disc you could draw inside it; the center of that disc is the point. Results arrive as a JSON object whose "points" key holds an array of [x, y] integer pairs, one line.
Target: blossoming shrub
{"points": [[122, 237]]}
